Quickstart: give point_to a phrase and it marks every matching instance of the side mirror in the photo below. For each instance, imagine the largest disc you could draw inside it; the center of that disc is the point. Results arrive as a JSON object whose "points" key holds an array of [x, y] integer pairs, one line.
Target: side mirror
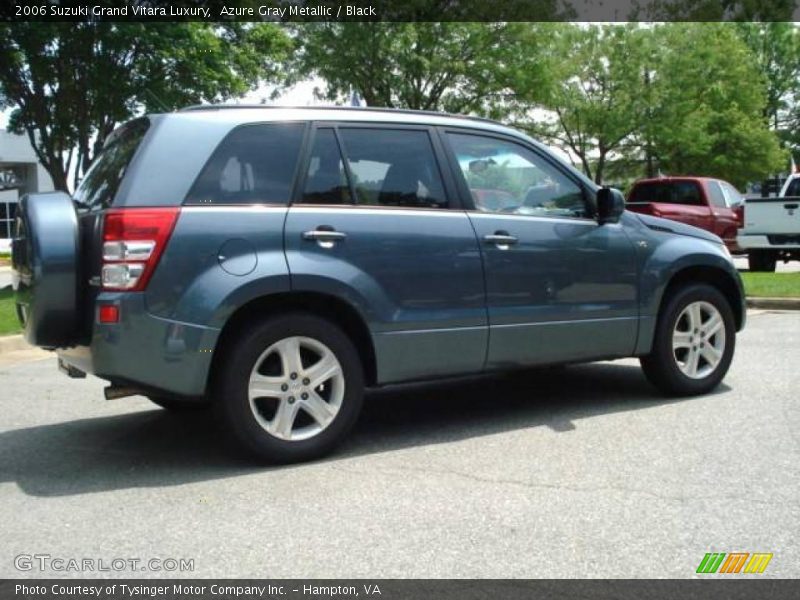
{"points": [[610, 205]]}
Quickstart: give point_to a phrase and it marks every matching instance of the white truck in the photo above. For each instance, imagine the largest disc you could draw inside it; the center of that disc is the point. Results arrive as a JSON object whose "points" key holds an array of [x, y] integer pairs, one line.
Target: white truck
{"points": [[772, 227]]}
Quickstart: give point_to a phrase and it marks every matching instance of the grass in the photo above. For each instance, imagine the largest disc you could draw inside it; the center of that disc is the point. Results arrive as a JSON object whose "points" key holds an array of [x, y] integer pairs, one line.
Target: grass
{"points": [[772, 285], [8, 315], [5, 258]]}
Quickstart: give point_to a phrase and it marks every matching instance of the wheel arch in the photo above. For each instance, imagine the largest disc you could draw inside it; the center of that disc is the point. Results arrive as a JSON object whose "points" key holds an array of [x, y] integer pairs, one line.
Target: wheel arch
{"points": [[714, 276], [329, 307]]}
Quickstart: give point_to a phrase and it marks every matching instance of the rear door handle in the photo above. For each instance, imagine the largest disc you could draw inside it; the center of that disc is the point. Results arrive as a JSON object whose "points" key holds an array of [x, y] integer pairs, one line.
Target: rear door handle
{"points": [[501, 239], [325, 236]]}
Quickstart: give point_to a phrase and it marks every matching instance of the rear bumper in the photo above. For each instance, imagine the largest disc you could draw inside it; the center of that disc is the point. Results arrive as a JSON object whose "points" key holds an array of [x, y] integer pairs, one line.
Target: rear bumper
{"points": [[145, 350], [762, 242]]}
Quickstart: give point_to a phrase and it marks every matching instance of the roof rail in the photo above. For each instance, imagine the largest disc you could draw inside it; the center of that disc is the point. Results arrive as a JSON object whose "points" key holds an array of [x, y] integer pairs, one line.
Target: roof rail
{"points": [[433, 113]]}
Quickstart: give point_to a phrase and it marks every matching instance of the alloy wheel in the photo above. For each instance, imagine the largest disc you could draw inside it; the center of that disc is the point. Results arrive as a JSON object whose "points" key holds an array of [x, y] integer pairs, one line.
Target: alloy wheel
{"points": [[296, 388]]}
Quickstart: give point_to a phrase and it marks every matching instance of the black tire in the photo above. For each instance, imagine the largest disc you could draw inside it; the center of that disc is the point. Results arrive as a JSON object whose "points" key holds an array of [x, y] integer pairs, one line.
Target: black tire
{"points": [[761, 261], [232, 379], [661, 366], [179, 405], [45, 253]]}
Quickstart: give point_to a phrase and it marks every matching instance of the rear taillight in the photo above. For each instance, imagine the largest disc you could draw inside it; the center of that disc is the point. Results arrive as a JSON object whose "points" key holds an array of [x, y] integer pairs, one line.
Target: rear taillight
{"points": [[739, 212], [133, 240]]}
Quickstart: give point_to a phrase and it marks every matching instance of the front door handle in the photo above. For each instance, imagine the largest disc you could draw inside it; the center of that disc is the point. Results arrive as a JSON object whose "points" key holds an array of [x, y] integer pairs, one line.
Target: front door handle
{"points": [[325, 236], [501, 239]]}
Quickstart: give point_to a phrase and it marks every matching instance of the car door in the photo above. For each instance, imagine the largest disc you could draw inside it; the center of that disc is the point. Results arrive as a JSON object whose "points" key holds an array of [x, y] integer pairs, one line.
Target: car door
{"points": [[376, 222], [559, 286]]}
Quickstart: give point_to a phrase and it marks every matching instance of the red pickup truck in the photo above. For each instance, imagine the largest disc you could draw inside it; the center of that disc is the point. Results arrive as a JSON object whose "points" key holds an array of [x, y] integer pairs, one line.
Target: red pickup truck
{"points": [[711, 204]]}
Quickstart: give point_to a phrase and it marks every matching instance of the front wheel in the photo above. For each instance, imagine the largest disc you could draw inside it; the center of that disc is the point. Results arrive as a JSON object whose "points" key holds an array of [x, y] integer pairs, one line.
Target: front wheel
{"points": [[694, 342], [291, 388]]}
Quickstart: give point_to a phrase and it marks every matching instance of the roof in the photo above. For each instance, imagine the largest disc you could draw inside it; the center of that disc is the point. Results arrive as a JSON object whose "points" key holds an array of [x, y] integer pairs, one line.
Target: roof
{"points": [[355, 109], [668, 178], [241, 113]]}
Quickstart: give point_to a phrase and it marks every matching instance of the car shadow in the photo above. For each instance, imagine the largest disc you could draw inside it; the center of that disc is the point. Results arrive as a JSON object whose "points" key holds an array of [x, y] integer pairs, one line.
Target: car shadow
{"points": [[155, 448]]}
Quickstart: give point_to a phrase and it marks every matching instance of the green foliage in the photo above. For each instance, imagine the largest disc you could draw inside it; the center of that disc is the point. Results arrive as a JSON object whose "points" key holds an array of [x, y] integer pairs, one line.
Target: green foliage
{"points": [[708, 106], [454, 67], [776, 49], [596, 101], [714, 10], [72, 83]]}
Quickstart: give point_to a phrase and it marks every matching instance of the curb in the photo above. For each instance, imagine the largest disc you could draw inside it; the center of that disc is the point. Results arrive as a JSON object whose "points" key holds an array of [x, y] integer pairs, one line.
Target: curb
{"points": [[774, 303], [12, 343]]}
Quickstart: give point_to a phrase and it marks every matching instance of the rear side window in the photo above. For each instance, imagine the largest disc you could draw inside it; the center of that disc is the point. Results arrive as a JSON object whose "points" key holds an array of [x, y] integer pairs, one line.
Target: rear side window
{"points": [[668, 192], [715, 194], [794, 188], [101, 182], [326, 179], [255, 164], [393, 167], [389, 167]]}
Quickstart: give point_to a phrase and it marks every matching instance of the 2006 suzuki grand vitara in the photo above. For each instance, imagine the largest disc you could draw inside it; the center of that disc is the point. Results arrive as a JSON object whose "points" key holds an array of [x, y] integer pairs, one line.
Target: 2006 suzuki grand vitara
{"points": [[277, 261]]}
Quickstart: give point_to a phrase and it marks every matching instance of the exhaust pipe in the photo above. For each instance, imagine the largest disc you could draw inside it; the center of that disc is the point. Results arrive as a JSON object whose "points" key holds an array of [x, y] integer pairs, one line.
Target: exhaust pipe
{"points": [[114, 392]]}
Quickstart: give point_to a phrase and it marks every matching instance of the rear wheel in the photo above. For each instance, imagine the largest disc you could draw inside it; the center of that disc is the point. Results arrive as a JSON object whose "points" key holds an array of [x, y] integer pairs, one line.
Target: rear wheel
{"points": [[761, 261], [291, 388], [694, 342]]}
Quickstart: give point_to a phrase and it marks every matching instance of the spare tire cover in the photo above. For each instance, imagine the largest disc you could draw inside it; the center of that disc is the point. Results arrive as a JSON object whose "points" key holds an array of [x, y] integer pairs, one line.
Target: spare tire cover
{"points": [[45, 263]]}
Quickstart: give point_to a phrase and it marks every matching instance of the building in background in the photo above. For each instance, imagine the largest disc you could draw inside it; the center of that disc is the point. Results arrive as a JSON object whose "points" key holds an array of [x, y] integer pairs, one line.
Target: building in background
{"points": [[20, 174]]}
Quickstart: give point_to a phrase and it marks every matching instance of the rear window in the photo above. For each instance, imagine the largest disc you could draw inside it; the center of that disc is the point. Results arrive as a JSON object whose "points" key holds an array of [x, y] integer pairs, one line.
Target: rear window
{"points": [[101, 182], [255, 164], [667, 192]]}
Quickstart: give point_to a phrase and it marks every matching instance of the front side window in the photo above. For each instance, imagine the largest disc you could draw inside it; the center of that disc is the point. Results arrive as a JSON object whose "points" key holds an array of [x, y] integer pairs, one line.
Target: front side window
{"points": [[794, 188], [667, 192], [508, 178], [255, 164]]}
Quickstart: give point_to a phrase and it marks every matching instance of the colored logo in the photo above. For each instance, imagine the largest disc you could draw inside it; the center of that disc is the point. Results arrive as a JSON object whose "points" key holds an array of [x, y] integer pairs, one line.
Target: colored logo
{"points": [[734, 562]]}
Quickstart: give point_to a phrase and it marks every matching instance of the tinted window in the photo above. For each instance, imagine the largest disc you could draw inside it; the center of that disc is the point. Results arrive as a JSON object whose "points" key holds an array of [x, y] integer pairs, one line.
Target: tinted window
{"points": [[794, 188], [101, 182], [326, 180], [255, 164], [715, 194], [393, 167], [668, 192], [506, 177]]}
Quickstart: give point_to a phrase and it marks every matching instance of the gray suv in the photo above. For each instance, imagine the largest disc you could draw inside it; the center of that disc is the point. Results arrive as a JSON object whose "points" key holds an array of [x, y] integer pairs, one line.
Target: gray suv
{"points": [[275, 262]]}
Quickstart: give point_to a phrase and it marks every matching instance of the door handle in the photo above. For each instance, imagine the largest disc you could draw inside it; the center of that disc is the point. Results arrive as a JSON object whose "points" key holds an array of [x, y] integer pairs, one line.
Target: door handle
{"points": [[501, 239], [325, 236]]}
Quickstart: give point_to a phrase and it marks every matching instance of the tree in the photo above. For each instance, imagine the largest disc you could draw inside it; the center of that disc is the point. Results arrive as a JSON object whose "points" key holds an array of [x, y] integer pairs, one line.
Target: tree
{"points": [[449, 66], [776, 48], [72, 83], [713, 10], [709, 102], [596, 100]]}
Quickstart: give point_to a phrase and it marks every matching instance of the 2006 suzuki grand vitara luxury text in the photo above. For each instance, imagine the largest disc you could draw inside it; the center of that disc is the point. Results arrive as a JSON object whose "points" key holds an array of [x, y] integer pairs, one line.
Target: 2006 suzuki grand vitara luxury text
{"points": [[276, 261]]}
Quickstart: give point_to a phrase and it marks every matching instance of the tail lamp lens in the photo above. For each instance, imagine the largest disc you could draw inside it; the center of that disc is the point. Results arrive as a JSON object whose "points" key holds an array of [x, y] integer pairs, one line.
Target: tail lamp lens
{"points": [[133, 240]]}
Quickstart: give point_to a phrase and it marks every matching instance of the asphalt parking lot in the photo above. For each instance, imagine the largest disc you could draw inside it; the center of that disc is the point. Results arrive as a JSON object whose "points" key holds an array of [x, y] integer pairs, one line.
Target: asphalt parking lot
{"points": [[576, 472]]}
